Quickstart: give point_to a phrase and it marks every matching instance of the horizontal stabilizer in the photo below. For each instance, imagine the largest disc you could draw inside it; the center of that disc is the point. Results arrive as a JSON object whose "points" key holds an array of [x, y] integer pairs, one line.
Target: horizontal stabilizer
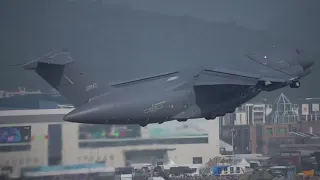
{"points": [[56, 57]]}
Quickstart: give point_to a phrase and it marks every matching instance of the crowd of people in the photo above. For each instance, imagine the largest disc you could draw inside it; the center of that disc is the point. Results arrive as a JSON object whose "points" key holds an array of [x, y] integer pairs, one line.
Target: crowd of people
{"points": [[211, 177], [255, 175]]}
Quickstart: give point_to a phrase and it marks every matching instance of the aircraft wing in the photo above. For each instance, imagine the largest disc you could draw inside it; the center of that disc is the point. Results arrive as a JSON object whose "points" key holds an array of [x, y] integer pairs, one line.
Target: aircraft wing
{"points": [[226, 76], [201, 76]]}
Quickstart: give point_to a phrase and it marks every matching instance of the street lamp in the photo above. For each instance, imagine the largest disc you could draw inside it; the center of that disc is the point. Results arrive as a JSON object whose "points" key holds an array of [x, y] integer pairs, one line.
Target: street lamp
{"points": [[232, 136]]}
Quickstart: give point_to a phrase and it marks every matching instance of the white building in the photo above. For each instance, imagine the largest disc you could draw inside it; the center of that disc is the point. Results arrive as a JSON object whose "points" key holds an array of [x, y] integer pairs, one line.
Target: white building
{"points": [[249, 114], [40, 138]]}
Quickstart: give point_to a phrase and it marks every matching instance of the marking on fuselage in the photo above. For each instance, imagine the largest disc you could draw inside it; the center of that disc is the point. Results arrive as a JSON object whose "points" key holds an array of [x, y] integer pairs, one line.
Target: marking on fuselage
{"points": [[267, 83], [91, 86], [172, 78], [68, 79], [154, 107]]}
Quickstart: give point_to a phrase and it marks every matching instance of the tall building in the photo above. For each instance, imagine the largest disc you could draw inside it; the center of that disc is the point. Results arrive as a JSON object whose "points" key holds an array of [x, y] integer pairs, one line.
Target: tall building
{"points": [[251, 114]]}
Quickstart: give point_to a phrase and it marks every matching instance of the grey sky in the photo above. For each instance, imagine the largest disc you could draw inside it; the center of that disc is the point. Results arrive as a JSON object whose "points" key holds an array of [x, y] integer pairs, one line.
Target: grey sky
{"points": [[30, 28]]}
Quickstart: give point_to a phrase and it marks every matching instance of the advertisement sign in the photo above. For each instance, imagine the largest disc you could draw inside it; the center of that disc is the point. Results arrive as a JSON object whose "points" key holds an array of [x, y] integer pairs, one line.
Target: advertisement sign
{"points": [[93, 132], [315, 107], [305, 109], [15, 134], [169, 133], [174, 129]]}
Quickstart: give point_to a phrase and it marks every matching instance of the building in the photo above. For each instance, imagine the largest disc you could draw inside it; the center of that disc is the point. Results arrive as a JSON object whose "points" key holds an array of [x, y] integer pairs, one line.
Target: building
{"points": [[273, 135], [309, 110], [252, 114], [246, 122], [261, 128], [248, 114], [32, 101], [40, 137], [241, 137]]}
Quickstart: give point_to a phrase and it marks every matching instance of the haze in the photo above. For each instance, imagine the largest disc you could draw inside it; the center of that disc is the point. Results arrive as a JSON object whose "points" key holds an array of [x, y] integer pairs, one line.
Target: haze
{"points": [[121, 40]]}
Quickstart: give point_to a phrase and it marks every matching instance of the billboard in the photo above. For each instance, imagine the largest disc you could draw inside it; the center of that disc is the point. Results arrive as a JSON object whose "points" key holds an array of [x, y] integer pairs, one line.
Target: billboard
{"points": [[168, 133], [305, 109], [175, 129], [87, 132], [315, 107], [15, 134]]}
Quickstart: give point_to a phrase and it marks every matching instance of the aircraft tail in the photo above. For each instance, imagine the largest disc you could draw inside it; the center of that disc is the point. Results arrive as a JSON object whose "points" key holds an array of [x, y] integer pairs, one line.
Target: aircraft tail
{"points": [[59, 70]]}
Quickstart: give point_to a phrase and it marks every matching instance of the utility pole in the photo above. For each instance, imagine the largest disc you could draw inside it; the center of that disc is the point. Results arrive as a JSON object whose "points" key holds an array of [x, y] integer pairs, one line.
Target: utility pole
{"points": [[232, 135]]}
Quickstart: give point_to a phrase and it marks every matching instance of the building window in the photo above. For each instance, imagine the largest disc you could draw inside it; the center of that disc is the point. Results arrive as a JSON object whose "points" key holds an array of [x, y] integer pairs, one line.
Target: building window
{"points": [[160, 163], [269, 131], [283, 131], [197, 160], [111, 157], [277, 131], [294, 129], [231, 170], [237, 169]]}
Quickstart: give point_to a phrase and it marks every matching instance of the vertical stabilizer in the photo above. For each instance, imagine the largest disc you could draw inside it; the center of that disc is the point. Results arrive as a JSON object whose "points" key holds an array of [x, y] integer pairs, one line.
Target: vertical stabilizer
{"points": [[65, 75]]}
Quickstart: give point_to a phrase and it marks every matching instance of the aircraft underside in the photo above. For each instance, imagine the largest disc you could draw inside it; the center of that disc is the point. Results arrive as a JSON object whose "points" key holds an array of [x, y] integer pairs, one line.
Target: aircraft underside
{"points": [[207, 101]]}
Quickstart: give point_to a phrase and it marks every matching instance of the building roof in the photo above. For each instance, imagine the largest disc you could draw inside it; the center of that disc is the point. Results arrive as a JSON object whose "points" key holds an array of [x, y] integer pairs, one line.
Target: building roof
{"points": [[225, 145], [247, 156], [282, 99], [305, 135], [34, 112]]}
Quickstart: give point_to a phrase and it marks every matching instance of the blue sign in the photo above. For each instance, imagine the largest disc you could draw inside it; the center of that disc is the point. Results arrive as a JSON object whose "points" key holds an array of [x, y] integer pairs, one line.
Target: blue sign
{"points": [[63, 168], [216, 170], [15, 134]]}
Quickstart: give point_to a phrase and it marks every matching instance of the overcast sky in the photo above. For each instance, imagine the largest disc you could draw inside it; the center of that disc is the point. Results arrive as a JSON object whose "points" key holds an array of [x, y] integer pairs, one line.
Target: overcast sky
{"points": [[31, 28]]}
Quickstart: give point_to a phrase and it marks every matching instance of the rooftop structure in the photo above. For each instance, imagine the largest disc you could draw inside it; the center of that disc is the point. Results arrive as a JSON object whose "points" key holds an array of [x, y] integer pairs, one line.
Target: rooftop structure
{"points": [[284, 112]]}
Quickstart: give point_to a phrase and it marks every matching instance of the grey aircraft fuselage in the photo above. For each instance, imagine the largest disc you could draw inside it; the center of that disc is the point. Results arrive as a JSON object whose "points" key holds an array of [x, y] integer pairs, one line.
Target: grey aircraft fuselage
{"points": [[158, 106], [164, 100], [180, 95]]}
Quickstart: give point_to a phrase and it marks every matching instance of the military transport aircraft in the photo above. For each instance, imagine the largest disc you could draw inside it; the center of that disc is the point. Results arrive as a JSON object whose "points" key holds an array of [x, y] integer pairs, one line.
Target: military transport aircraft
{"points": [[181, 95]]}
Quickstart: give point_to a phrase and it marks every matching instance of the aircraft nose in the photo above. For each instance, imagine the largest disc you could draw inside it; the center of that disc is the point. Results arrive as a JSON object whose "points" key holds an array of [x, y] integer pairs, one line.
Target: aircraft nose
{"points": [[76, 115], [90, 113], [83, 114]]}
